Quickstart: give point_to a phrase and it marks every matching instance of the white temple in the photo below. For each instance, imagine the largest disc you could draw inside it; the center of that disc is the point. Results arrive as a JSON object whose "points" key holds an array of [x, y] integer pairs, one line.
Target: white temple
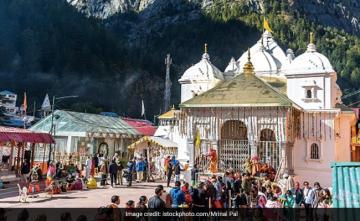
{"points": [[284, 109]]}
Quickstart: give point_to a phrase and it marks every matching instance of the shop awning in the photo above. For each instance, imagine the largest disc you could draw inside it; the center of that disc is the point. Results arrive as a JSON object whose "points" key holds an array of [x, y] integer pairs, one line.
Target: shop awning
{"points": [[8, 134], [154, 140]]}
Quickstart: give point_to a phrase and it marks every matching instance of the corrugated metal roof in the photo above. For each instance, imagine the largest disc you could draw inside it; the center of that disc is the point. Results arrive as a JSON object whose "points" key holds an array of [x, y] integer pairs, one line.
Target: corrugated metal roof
{"points": [[346, 184], [8, 134], [68, 121], [4, 92], [144, 127]]}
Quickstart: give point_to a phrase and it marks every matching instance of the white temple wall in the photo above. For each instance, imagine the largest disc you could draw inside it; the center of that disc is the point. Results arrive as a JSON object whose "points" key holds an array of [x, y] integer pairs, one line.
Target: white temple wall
{"points": [[321, 91], [190, 89]]}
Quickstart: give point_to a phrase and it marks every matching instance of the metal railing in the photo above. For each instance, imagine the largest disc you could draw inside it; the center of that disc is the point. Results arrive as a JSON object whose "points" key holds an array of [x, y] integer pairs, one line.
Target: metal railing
{"points": [[269, 152], [233, 154], [202, 163]]}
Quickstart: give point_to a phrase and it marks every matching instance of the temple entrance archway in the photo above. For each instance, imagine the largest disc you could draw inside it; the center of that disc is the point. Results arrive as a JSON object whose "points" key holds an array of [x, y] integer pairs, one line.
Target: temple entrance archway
{"points": [[234, 146]]}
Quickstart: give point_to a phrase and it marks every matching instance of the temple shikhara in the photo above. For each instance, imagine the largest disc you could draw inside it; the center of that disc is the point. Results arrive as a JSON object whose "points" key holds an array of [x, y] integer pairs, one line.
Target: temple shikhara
{"points": [[268, 106]]}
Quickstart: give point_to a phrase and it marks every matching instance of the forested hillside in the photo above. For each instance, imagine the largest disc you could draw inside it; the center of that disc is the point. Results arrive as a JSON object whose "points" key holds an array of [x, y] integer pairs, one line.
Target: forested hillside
{"points": [[113, 63]]}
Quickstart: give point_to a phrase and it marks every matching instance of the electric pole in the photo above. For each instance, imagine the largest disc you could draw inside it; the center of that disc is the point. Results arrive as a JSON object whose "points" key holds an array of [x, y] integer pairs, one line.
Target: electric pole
{"points": [[167, 93]]}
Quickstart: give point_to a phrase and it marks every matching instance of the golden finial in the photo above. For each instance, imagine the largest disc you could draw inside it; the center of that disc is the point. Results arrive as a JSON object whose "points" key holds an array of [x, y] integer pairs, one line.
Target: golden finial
{"points": [[205, 48], [248, 67], [312, 38]]}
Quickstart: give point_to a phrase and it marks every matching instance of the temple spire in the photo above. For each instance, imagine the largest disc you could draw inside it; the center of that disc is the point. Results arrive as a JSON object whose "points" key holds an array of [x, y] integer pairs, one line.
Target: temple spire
{"points": [[311, 46], [312, 38], [248, 67], [206, 55]]}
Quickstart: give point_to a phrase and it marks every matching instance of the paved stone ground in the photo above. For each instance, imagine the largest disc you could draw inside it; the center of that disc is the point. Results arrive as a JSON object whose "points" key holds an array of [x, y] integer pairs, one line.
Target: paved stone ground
{"points": [[82, 199]]}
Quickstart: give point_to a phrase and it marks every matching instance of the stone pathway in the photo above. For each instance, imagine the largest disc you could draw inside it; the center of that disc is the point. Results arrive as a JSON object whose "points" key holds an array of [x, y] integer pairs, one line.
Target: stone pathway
{"points": [[84, 199]]}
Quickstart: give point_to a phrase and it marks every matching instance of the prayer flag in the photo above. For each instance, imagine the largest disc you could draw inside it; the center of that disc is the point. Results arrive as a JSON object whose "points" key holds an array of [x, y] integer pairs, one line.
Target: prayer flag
{"points": [[266, 25]]}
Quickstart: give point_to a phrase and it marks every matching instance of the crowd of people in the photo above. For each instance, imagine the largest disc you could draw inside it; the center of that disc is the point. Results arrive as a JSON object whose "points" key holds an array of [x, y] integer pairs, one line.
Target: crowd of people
{"points": [[235, 190], [62, 178], [231, 189]]}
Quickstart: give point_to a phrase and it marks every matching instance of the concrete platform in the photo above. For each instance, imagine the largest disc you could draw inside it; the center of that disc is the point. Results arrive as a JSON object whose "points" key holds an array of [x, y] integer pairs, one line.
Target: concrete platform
{"points": [[94, 198]]}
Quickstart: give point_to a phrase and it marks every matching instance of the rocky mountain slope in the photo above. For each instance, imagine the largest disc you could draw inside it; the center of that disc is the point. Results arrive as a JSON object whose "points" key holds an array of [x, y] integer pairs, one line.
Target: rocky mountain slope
{"points": [[111, 53], [343, 14]]}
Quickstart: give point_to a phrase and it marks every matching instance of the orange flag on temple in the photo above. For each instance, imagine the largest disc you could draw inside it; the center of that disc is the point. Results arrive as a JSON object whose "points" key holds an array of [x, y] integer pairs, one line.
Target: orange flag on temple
{"points": [[25, 102], [266, 25]]}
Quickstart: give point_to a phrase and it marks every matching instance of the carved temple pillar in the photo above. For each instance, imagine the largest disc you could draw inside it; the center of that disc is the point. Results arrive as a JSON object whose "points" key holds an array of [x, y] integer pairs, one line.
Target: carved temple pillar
{"points": [[286, 154]]}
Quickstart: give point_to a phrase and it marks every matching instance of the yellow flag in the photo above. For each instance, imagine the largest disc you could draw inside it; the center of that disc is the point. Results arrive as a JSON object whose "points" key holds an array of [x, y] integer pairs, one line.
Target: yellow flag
{"points": [[197, 140], [267, 26]]}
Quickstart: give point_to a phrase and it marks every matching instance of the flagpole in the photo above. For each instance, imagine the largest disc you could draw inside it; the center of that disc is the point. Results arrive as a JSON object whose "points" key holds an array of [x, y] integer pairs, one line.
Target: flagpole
{"points": [[25, 108], [34, 109], [143, 112]]}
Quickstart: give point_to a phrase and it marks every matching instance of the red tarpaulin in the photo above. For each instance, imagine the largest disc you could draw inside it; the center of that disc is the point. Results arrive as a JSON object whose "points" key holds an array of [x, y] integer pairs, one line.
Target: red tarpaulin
{"points": [[8, 134]]}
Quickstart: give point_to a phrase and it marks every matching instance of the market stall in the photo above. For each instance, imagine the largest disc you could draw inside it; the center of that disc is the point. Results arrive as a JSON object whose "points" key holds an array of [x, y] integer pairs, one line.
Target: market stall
{"points": [[19, 144], [154, 149]]}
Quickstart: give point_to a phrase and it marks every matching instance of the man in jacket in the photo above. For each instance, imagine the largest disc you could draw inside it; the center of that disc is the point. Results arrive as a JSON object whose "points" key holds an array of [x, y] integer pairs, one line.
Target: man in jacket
{"points": [[308, 195], [177, 195], [115, 202], [194, 175], [169, 172], [113, 169], [156, 202], [130, 168], [165, 196], [177, 170], [317, 189], [299, 195], [120, 172], [25, 171], [140, 167], [104, 172], [199, 197], [308, 199]]}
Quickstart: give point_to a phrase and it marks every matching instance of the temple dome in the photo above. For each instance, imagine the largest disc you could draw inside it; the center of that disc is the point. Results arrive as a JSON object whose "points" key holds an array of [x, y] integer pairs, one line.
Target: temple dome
{"points": [[263, 62], [232, 66], [310, 62], [267, 56], [202, 71], [273, 48]]}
